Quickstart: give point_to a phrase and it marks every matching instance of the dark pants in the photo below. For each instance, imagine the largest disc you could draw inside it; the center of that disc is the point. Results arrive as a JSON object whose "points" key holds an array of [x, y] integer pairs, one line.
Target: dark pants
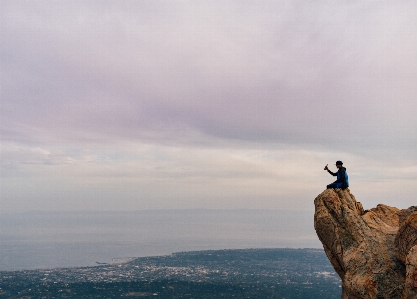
{"points": [[334, 185]]}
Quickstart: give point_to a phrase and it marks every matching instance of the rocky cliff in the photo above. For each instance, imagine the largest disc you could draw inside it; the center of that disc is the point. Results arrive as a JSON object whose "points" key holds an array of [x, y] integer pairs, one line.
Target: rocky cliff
{"points": [[373, 251]]}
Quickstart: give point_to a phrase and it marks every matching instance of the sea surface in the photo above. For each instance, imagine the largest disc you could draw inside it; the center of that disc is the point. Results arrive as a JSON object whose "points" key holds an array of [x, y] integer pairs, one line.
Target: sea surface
{"points": [[72, 239]]}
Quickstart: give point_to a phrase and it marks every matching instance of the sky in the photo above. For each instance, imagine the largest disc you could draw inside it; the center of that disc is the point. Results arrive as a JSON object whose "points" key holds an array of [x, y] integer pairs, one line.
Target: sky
{"points": [[231, 104]]}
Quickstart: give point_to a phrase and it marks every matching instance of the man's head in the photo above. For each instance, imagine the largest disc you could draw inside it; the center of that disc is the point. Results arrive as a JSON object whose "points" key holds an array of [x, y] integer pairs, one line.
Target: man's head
{"points": [[339, 164]]}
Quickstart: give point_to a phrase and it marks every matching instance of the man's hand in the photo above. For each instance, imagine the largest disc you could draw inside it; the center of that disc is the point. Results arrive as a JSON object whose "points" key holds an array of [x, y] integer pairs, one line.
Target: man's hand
{"points": [[325, 167]]}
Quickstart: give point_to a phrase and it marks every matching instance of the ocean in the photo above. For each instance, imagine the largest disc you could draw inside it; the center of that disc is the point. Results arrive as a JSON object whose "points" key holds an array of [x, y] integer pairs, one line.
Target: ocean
{"points": [[35, 240]]}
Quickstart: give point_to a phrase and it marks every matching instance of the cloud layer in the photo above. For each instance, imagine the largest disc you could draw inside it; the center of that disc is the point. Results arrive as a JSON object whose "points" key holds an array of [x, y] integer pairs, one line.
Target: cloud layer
{"points": [[100, 97]]}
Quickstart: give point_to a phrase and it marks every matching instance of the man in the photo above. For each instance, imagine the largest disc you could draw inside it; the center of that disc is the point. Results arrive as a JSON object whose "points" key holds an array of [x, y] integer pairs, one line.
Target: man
{"points": [[342, 176]]}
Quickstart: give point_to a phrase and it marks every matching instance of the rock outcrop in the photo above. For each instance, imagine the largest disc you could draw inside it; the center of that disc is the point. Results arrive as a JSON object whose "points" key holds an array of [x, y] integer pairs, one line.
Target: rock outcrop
{"points": [[374, 251], [406, 249]]}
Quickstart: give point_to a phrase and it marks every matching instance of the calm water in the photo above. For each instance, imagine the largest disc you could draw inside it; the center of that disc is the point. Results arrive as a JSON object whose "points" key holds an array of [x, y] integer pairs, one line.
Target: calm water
{"points": [[49, 240]]}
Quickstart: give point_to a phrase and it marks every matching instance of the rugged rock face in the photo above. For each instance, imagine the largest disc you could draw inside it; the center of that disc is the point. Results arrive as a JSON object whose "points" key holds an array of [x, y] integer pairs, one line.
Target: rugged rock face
{"points": [[407, 234], [410, 288], [406, 249], [374, 252]]}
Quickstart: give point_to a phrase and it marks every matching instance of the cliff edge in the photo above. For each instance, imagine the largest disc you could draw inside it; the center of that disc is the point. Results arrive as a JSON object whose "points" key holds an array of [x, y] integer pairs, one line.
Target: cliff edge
{"points": [[374, 251]]}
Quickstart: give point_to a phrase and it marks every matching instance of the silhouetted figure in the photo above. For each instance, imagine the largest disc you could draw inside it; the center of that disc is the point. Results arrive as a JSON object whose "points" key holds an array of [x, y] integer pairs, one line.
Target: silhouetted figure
{"points": [[342, 176]]}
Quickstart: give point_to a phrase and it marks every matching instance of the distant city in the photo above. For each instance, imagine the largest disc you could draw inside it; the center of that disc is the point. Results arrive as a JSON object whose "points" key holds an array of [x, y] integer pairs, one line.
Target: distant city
{"points": [[245, 273]]}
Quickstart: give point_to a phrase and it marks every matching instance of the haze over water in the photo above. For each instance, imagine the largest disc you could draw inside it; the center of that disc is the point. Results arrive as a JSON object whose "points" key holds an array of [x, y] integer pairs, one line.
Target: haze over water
{"points": [[68, 239]]}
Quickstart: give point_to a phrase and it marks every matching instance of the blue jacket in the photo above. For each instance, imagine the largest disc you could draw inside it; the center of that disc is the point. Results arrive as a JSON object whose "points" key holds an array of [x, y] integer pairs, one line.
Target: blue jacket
{"points": [[342, 178]]}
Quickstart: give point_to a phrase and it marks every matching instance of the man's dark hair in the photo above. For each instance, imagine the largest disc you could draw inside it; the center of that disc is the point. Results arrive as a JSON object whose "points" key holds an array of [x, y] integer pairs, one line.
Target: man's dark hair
{"points": [[339, 163]]}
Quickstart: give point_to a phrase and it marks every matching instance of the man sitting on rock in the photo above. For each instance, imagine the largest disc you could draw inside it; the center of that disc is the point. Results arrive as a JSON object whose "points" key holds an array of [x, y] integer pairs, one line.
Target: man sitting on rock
{"points": [[342, 177]]}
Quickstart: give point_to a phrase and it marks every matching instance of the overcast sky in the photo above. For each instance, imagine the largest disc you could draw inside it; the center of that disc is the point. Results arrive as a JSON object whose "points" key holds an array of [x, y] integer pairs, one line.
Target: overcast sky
{"points": [[130, 105]]}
